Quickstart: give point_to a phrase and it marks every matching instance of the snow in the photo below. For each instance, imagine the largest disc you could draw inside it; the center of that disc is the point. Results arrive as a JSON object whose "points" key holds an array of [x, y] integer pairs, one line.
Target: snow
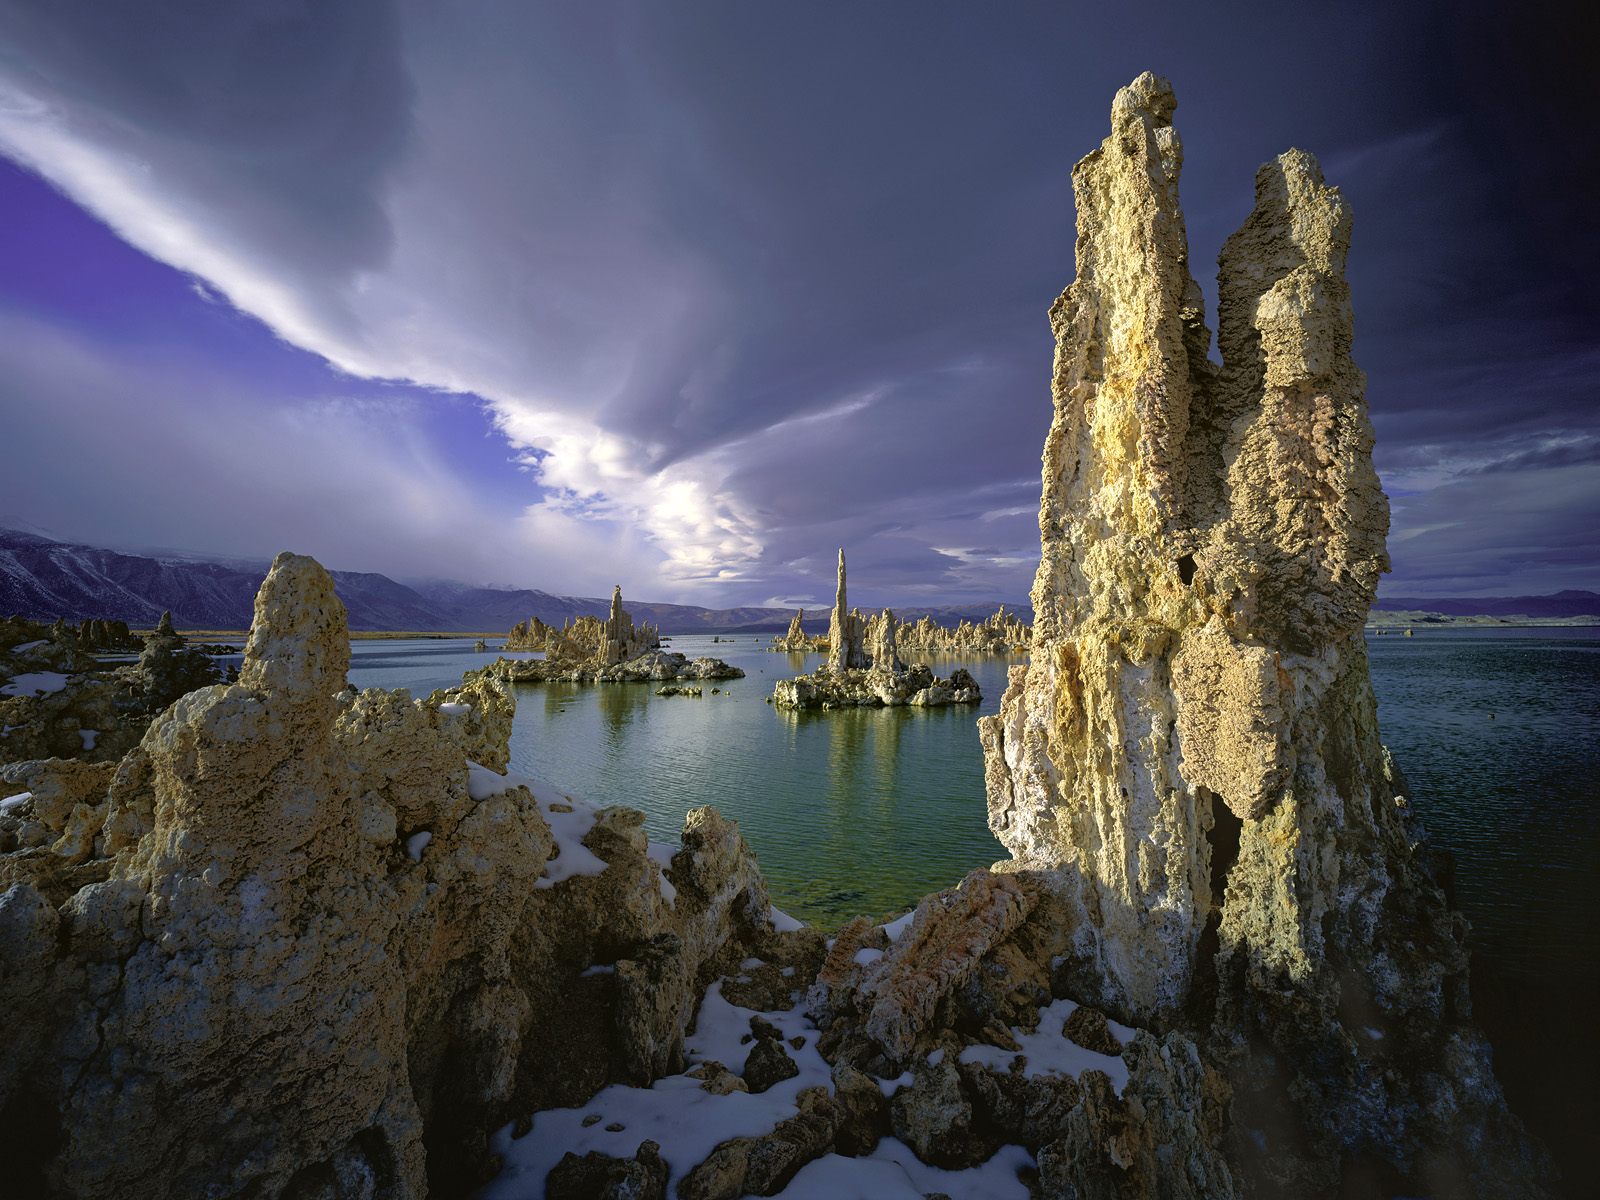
{"points": [[417, 843], [890, 1086], [1049, 1053], [26, 646], [783, 922], [661, 854], [867, 955], [35, 683], [598, 969], [687, 1121], [11, 803], [935, 1057], [895, 928], [88, 737], [456, 710], [893, 1172], [568, 828]]}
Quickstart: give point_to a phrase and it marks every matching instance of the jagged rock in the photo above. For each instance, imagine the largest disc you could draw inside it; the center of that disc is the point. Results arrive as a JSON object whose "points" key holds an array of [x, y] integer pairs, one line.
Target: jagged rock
{"points": [[57, 700], [588, 641], [768, 1063], [934, 1117], [1001, 633], [597, 1176], [717, 1079], [796, 640], [865, 1111], [312, 944], [1087, 1027], [845, 631], [761, 1166], [1211, 541]]}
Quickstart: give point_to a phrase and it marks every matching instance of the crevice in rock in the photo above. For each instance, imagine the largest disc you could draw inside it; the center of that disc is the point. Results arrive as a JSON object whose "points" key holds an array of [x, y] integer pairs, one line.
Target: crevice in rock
{"points": [[1186, 569]]}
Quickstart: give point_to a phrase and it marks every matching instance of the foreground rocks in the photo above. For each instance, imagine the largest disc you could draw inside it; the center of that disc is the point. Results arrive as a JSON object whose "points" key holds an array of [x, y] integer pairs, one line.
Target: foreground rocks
{"points": [[303, 940], [1190, 761], [58, 700]]}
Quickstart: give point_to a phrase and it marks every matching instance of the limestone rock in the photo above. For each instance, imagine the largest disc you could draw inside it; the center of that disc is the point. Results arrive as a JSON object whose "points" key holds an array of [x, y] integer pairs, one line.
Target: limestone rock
{"points": [[1192, 751], [315, 941], [845, 631], [1000, 633]]}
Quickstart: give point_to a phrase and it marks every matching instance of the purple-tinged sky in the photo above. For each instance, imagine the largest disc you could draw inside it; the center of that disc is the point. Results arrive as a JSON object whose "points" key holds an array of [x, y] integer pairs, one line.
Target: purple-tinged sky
{"points": [[689, 295]]}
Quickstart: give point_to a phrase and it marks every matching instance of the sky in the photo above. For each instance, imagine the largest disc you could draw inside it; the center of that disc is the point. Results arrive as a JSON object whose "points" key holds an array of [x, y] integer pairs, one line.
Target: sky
{"points": [[688, 296]]}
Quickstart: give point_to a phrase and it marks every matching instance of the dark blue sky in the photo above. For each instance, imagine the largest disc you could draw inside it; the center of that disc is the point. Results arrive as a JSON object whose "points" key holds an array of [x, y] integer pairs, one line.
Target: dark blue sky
{"points": [[688, 295]]}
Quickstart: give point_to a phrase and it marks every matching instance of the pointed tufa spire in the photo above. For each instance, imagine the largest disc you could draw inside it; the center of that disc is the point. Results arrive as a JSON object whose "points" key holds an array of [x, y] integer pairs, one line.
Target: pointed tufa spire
{"points": [[845, 631]]}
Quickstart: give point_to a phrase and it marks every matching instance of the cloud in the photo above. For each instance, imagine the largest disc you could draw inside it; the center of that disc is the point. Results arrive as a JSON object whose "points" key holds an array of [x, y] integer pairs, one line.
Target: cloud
{"points": [[736, 285], [177, 446]]}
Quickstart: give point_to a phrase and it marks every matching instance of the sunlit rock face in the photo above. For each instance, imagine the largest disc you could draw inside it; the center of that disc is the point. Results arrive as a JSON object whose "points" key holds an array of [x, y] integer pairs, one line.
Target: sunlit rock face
{"points": [[1191, 756]]}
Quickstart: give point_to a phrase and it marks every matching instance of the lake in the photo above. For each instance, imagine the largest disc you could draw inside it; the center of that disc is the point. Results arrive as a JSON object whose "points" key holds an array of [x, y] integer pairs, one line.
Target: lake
{"points": [[865, 811]]}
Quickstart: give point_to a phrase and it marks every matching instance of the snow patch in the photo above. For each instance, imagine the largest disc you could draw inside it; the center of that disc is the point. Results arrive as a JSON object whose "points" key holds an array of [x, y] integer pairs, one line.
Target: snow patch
{"points": [[783, 922], [11, 803], [88, 737], [1049, 1053], [26, 646], [598, 969], [417, 843], [896, 927], [35, 683], [455, 710], [866, 956], [893, 1172], [685, 1120]]}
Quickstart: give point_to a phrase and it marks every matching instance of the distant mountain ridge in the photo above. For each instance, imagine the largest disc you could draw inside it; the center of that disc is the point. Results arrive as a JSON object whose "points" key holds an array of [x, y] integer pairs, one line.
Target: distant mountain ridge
{"points": [[1569, 603], [44, 579]]}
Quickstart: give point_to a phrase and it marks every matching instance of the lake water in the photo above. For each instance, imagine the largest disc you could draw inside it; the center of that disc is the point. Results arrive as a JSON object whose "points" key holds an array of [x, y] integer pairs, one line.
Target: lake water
{"points": [[865, 811]]}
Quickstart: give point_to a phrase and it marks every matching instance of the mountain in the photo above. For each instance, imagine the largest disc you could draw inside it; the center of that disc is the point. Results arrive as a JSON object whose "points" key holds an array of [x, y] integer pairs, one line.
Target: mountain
{"points": [[44, 579], [1570, 603]]}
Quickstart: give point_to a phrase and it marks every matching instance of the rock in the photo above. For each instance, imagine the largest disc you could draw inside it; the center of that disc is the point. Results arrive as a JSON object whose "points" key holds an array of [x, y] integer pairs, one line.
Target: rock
{"points": [[650, 666], [717, 1079], [767, 1064], [249, 985], [845, 631], [762, 1166], [596, 1176], [589, 641], [1001, 633], [865, 1111], [1087, 1027], [796, 640], [1191, 755], [934, 1117]]}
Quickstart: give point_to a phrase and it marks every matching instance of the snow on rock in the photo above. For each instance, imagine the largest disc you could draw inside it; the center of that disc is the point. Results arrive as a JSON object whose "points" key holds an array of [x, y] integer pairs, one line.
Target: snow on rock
{"points": [[11, 803], [88, 737], [35, 683], [687, 1121], [896, 927], [1049, 1052], [893, 1172], [455, 710], [783, 922], [417, 843]]}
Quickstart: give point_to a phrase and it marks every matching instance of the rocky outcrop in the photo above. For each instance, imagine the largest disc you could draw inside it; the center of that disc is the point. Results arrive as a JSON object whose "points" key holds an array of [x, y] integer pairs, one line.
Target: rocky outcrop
{"points": [[846, 631], [1191, 760], [796, 640], [532, 634], [653, 666], [864, 669], [605, 643], [1000, 633], [58, 700], [304, 941]]}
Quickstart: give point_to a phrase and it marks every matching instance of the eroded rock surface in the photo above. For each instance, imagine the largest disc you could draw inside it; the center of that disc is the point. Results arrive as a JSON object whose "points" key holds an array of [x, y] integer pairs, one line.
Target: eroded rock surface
{"points": [[1191, 759], [303, 940]]}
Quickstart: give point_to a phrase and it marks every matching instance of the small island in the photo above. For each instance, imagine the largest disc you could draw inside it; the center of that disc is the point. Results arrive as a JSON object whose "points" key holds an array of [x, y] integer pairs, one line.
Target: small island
{"points": [[864, 668], [590, 650]]}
